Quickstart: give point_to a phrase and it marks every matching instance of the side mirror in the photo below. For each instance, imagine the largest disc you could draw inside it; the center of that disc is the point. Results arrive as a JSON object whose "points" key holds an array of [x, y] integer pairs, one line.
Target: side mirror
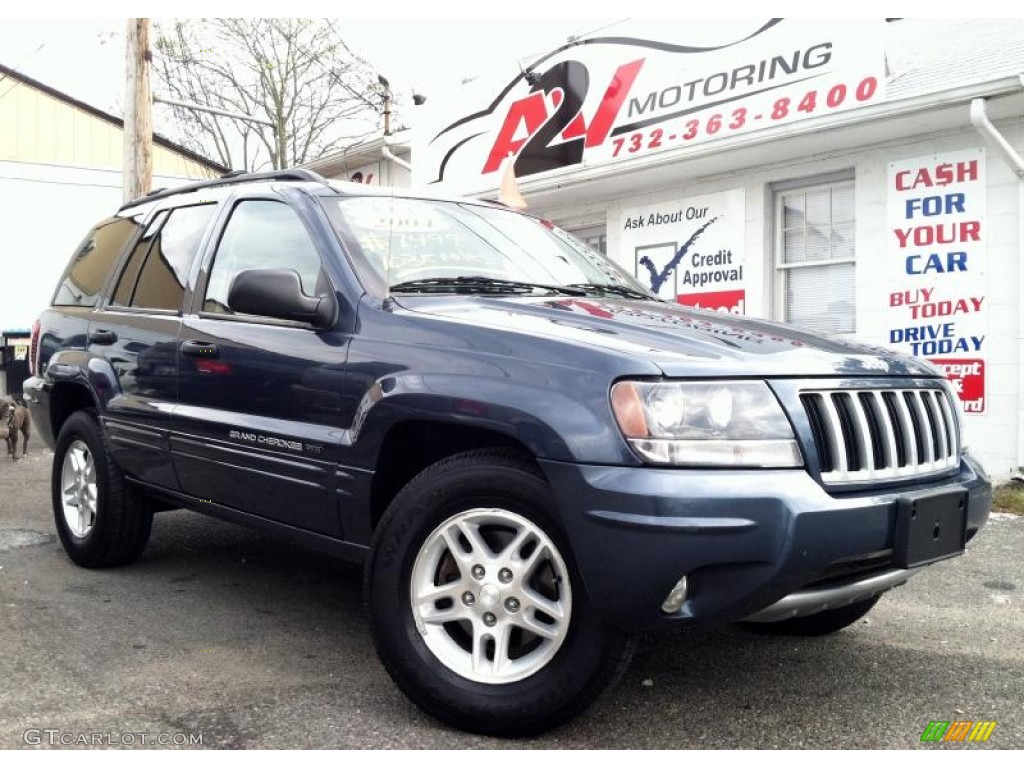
{"points": [[278, 293]]}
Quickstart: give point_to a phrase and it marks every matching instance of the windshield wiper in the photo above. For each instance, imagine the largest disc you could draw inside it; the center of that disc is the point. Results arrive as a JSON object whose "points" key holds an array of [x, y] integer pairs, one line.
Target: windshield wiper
{"points": [[483, 282], [618, 290]]}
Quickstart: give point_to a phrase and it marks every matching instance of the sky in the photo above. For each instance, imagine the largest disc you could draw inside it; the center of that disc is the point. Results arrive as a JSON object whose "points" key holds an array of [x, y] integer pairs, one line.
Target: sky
{"points": [[85, 57], [430, 56], [460, 38]]}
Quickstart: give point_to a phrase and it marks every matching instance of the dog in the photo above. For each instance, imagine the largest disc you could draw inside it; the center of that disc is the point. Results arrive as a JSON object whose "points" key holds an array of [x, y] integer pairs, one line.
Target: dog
{"points": [[14, 418]]}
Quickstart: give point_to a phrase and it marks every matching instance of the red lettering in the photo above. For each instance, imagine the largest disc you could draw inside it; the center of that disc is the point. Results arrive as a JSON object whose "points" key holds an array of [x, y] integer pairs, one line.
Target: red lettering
{"points": [[527, 115], [612, 102], [942, 175], [530, 113], [931, 234], [921, 179], [967, 171], [907, 298], [575, 129]]}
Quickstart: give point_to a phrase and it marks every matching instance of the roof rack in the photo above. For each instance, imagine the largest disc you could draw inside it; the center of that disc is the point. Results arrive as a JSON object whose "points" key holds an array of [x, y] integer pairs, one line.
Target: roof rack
{"points": [[233, 177]]}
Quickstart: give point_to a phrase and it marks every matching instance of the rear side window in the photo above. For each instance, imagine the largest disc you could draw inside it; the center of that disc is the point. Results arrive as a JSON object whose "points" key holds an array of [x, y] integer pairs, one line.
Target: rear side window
{"points": [[93, 261], [155, 275], [122, 296]]}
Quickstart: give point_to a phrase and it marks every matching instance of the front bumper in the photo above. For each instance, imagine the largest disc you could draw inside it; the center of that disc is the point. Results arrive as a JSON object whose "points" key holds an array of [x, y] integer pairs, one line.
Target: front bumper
{"points": [[762, 545]]}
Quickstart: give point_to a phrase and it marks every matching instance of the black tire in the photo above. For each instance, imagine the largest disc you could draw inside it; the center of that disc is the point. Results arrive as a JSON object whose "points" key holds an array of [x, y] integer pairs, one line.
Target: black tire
{"points": [[123, 516], [816, 624], [591, 658]]}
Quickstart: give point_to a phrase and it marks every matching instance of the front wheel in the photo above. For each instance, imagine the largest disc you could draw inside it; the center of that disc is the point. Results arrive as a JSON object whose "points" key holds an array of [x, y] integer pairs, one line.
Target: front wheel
{"points": [[477, 608]]}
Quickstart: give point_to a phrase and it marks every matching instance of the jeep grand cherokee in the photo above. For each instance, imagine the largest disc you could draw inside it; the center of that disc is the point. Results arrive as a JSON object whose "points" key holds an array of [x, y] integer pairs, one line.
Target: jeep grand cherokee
{"points": [[534, 457]]}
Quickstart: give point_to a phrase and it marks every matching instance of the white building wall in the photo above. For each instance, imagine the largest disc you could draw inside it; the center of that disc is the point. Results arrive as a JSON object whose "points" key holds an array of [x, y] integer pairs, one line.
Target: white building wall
{"points": [[45, 211], [993, 435]]}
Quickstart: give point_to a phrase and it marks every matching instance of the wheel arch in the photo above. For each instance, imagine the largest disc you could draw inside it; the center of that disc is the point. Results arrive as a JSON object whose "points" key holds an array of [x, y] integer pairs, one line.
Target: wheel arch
{"points": [[408, 447], [78, 380], [66, 398]]}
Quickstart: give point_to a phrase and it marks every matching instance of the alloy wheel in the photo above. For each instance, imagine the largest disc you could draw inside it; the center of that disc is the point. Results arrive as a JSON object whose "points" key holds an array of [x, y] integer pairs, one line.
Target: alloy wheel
{"points": [[78, 489], [491, 596]]}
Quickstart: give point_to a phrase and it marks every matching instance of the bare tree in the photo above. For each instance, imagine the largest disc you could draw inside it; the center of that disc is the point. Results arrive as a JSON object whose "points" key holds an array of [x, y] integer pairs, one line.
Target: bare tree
{"points": [[295, 73]]}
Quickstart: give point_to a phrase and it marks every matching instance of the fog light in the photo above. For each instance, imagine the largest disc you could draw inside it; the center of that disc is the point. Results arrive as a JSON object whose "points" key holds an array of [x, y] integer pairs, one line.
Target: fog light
{"points": [[675, 598]]}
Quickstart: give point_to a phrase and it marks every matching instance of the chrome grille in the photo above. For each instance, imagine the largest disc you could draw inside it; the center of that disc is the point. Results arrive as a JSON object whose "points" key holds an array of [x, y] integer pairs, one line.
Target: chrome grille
{"points": [[882, 434]]}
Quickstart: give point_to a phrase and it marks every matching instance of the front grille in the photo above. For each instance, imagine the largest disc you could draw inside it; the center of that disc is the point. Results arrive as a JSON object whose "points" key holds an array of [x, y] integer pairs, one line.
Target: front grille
{"points": [[882, 434]]}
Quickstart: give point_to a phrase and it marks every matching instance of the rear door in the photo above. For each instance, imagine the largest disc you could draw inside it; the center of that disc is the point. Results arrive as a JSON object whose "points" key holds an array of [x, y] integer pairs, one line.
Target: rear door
{"points": [[258, 425], [136, 331]]}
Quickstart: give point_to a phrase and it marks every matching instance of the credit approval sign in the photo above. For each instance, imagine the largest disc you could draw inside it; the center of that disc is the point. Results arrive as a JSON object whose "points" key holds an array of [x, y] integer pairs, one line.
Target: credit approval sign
{"points": [[617, 96], [690, 251]]}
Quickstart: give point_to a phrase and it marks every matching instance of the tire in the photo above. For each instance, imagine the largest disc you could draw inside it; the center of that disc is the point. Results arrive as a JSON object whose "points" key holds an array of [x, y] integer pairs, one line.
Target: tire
{"points": [[114, 529], [816, 624], [556, 674]]}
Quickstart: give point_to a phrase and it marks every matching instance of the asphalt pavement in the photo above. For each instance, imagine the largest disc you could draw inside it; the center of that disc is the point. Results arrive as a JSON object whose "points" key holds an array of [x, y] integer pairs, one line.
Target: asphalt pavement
{"points": [[253, 642]]}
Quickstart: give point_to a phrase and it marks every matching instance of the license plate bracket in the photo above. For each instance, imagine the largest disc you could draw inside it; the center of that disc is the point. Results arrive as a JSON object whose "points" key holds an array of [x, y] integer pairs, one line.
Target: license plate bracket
{"points": [[930, 527]]}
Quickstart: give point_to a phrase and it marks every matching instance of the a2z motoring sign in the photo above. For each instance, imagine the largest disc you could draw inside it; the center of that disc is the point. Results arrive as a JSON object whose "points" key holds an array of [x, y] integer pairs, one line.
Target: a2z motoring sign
{"points": [[642, 88], [690, 250], [937, 258]]}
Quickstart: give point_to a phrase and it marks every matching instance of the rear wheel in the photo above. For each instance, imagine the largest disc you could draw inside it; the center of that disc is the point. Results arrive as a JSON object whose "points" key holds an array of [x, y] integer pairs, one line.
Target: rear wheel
{"points": [[101, 521], [822, 623], [478, 612]]}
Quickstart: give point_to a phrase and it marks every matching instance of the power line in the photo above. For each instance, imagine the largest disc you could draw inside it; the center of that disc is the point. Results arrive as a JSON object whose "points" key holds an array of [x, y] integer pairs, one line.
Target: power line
{"points": [[17, 69]]}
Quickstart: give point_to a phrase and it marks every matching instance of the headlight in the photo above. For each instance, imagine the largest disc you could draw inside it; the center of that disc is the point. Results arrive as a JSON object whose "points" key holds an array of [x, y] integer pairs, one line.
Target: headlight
{"points": [[717, 423]]}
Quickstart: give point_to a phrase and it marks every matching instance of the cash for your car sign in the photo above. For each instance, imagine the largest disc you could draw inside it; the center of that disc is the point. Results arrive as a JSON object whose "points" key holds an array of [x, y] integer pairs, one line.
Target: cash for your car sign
{"points": [[642, 88], [690, 250], [937, 258]]}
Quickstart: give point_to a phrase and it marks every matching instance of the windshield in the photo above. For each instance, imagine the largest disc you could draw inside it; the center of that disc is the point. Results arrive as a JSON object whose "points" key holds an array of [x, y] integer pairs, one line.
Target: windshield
{"points": [[402, 241]]}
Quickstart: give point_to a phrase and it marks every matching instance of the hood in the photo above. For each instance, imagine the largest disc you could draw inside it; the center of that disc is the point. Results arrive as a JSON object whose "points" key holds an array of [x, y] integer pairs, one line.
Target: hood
{"points": [[680, 340]]}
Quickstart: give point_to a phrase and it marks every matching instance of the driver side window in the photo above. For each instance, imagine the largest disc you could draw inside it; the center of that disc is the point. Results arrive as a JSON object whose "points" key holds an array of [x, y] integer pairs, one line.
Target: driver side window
{"points": [[261, 234]]}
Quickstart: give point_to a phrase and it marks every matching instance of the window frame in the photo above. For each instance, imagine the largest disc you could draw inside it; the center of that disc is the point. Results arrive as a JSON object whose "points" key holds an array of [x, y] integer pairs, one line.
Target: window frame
{"points": [[154, 215], [158, 219], [780, 269], [209, 257]]}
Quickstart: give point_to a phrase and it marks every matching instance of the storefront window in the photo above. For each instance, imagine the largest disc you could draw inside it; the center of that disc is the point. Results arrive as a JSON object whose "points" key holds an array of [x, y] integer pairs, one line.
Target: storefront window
{"points": [[815, 255], [595, 237]]}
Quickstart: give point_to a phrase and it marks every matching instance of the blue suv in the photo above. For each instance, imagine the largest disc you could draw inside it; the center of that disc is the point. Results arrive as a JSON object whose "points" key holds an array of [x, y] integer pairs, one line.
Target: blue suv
{"points": [[534, 457]]}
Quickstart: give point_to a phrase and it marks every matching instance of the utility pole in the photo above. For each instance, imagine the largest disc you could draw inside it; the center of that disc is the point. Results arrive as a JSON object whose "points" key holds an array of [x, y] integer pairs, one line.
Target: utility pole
{"points": [[138, 112], [386, 86]]}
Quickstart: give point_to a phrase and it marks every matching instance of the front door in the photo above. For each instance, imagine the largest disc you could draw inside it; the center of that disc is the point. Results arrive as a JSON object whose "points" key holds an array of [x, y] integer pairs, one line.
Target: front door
{"points": [[258, 422]]}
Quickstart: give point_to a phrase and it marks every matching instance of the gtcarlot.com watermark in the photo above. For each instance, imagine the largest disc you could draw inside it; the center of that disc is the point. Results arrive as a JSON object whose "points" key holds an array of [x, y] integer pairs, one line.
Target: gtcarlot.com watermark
{"points": [[54, 737]]}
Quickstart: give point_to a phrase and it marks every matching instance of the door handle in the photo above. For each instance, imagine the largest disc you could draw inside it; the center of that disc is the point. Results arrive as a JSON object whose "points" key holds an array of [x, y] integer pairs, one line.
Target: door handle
{"points": [[199, 349], [102, 336]]}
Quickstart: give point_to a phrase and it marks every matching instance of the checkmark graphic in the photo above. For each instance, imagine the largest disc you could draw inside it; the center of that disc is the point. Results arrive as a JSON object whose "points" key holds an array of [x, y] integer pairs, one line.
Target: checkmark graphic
{"points": [[658, 278]]}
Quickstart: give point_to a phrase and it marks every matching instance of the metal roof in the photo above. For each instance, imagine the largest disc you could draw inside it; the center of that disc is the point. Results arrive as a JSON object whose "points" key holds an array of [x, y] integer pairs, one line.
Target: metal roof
{"points": [[931, 55], [360, 153], [159, 140]]}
